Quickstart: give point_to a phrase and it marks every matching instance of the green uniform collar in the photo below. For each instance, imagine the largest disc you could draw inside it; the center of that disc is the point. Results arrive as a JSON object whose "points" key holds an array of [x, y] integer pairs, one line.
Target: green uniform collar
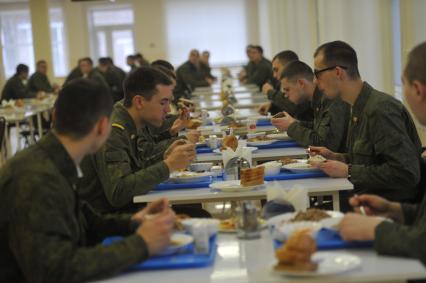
{"points": [[361, 101], [60, 157], [122, 117]]}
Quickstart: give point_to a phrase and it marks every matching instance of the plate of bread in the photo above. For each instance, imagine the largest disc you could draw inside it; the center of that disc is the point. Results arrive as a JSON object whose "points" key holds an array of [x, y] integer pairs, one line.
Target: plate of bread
{"points": [[251, 179], [303, 165], [298, 257]]}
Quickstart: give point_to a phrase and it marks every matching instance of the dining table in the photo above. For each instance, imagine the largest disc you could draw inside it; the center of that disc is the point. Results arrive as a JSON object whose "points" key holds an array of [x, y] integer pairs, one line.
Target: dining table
{"points": [[245, 261]]}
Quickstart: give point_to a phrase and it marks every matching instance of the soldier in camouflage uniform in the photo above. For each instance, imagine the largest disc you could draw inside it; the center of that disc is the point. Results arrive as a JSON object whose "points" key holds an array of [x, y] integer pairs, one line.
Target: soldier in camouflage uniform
{"points": [[383, 146], [331, 117], [39, 80], [406, 234], [46, 233], [278, 100], [259, 70], [15, 87], [120, 166]]}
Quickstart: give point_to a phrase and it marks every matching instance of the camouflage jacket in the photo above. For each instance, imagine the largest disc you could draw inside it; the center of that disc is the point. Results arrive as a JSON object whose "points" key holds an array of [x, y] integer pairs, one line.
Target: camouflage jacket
{"points": [[383, 147], [15, 89], [259, 73], [302, 112], [119, 164], [47, 234], [407, 239], [329, 127], [39, 82]]}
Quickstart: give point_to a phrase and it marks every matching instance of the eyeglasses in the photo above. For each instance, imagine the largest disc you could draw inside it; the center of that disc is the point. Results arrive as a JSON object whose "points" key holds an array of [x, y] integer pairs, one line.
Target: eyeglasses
{"points": [[317, 72]]}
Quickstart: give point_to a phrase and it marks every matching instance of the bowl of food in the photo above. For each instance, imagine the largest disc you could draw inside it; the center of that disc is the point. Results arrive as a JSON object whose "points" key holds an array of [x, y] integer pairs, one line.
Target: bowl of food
{"points": [[212, 225], [272, 168], [201, 166]]}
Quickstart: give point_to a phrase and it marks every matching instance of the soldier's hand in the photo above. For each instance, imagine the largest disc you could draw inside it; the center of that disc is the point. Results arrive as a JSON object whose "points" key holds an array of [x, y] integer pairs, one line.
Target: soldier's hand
{"points": [[193, 136], [283, 123], [264, 108], [173, 145], [266, 88], [151, 209], [325, 152], [210, 81], [180, 157], [157, 230], [356, 227], [181, 122], [334, 168], [377, 206]]}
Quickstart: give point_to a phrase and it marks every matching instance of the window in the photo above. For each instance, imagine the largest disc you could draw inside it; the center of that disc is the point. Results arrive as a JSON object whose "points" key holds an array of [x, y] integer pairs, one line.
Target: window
{"points": [[57, 37], [215, 25], [111, 33], [16, 39]]}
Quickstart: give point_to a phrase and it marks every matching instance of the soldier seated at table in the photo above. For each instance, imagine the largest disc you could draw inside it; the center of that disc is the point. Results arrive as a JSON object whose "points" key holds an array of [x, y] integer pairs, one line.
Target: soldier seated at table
{"points": [[383, 146], [46, 233], [259, 71], [86, 70], [205, 64], [16, 86], [278, 101], [39, 80], [121, 169], [113, 76], [406, 234], [331, 116]]}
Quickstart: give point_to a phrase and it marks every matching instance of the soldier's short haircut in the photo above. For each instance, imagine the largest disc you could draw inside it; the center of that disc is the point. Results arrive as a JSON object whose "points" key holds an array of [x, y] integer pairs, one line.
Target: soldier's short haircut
{"points": [[415, 70], [86, 59], [167, 71], [79, 106], [296, 70], [339, 53], [285, 57], [163, 63], [144, 81], [39, 62], [258, 48], [22, 68], [104, 61]]}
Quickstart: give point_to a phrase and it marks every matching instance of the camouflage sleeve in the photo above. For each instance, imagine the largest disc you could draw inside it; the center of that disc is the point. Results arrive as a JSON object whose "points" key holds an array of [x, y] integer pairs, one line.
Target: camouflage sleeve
{"points": [[390, 143], [41, 84], [284, 103], [328, 130], [189, 79], [101, 226], [410, 212], [121, 182], [401, 240], [260, 76], [151, 152], [46, 250]]}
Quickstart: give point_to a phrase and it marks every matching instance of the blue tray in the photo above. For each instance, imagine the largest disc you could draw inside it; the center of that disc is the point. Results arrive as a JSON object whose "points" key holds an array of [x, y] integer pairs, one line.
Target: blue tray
{"points": [[287, 175], [174, 186], [186, 259], [265, 122], [328, 239], [278, 144]]}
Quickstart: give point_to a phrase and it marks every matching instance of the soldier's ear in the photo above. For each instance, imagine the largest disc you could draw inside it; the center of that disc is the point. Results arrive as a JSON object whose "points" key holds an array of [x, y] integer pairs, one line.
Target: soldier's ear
{"points": [[420, 90], [103, 126]]}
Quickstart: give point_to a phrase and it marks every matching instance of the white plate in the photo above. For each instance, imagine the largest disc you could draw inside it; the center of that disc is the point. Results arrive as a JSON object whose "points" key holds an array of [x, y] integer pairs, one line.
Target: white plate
{"points": [[301, 166], [183, 240], [253, 149], [189, 177], [257, 143], [234, 186], [280, 136], [281, 228], [329, 263]]}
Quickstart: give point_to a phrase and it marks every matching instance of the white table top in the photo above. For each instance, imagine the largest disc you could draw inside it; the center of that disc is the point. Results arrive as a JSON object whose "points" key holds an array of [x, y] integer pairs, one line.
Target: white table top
{"points": [[252, 261], [260, 154], [312, 185]]}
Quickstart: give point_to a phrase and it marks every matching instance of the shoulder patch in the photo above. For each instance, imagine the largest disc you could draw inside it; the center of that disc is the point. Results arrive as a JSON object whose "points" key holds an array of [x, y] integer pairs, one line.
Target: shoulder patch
{"points": [[117, 126]]}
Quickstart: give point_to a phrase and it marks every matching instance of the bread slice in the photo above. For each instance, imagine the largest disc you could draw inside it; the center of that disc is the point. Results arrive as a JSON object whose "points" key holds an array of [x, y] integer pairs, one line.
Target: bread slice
{"points": [[252, 176]]}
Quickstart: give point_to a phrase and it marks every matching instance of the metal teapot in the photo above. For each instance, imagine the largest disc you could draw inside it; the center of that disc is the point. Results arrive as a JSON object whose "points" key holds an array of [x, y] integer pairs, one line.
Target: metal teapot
{"points": [[233, 168]]}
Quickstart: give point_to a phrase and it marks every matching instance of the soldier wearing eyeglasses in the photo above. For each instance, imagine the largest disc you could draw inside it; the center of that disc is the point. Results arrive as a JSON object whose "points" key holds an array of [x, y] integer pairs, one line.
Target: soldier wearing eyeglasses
{"points": [[383, 146]]}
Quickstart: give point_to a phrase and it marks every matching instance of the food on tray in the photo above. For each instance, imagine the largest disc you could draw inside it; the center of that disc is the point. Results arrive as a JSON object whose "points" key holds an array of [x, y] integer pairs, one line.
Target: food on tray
{"points": [[316, 159], [19, 103], [288, 160], [296, 254], [230, 141], [228, 224], [312, 214], [194, 124], [252, 176], [258, 139], [235, 125]]}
